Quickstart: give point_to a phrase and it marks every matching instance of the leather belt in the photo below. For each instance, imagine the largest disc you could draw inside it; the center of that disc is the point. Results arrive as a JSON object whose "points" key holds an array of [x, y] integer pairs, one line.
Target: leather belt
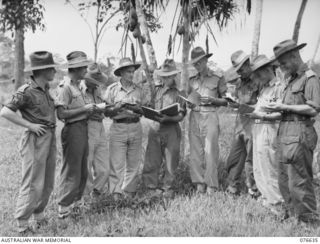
{"points": [[77, 121], [127, 120], [97, 120], [294, 117], [262, 121]]}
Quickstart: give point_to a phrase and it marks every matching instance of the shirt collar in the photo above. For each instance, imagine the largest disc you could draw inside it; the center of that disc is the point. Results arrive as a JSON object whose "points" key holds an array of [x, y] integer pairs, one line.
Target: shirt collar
{"points": [[133, 86], [35, 85], [302, 68]]}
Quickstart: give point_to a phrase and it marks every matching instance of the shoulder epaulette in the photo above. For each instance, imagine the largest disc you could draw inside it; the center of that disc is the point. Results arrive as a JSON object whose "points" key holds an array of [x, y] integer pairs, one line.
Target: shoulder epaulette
{"points": [[23, 87], [310, 73]]}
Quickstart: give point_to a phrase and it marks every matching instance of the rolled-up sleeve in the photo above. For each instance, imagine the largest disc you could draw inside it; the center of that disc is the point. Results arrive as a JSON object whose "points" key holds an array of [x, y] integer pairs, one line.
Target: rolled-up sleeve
{"points": [[64, 97], [312, 92], [19, 101]]}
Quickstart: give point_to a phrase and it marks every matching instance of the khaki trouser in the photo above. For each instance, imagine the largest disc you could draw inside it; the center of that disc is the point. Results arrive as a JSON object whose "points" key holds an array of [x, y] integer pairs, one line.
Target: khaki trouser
{"points": [[74, 170], [38, 169], [98, 162], [204, 147], [297, 140], [125, 148], [265, 164], [163, 149]]}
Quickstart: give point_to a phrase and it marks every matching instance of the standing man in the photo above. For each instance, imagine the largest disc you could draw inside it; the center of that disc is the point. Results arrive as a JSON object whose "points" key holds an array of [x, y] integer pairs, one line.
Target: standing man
{"points": [[164, 141], [98, 163], [204, 123], [265, 129], [297, 136], [74, 111], [38, 144], [125, 131], [240, 155]]}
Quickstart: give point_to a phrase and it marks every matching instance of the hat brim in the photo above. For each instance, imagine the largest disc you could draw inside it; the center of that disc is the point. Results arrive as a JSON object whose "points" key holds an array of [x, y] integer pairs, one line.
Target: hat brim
{"points": [[117, 70], [237, 67], [270, 62], [298, 47], [208, 55], [41, 67], [165, 74], [78, 65], [103, 80]]}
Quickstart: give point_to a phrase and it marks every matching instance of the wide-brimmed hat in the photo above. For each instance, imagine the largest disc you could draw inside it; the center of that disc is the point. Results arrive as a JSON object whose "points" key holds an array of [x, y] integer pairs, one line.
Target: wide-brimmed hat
{"points": [[259, 62], [168, 68], [198, 53], [125, 63], [286, 46], [77, 59], [238, 58], [41, 60], [231, 75], [95, 76]]}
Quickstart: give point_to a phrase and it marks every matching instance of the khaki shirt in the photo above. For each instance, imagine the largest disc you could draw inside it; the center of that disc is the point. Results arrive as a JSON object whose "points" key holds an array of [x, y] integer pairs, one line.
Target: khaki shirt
{"points": [[95, 98], [71, 97], [166, 96], [35, 104], [116, 93], [213, 84], [247, 92]]}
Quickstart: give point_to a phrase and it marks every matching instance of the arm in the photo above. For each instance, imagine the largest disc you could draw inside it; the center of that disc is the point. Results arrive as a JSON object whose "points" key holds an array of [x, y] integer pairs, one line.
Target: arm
{"points": [[64, 113], [13, 117], [167, 119]]}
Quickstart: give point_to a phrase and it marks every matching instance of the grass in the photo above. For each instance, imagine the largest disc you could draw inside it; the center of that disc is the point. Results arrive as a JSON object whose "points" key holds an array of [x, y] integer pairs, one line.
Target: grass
{"points": [[186, 215]]}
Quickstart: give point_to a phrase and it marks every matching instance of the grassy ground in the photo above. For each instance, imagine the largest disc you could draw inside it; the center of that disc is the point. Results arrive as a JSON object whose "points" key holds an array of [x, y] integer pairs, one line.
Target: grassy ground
{"points": [[187, 215]]}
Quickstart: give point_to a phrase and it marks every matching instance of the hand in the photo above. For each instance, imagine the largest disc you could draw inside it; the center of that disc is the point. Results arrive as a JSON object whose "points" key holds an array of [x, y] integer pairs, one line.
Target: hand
{"points": [[38, 129], [135, 108], [274, 107], [162, 118], [255, 115], [233, 105], [191, 105], [89, 107]]}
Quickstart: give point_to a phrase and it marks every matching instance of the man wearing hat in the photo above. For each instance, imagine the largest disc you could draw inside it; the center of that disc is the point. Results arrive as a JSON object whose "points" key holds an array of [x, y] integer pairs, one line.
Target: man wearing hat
{"points": [[296, 134], [125, 131], [73, 110], [264, 133], [240, 156], [164, 142], [204, 123], [98, 163], [38, 144]]}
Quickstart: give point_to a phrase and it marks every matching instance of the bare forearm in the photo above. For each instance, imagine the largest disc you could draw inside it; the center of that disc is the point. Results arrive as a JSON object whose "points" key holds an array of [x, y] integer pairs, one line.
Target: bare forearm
{"points": [[272, 116], [300, 109], [177, 118], [63, 113], [221, 102], [14, 118]]}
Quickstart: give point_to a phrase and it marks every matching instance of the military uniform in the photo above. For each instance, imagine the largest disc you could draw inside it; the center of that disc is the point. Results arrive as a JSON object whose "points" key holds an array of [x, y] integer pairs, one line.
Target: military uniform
{"points": [[74, 140], [297, 140], [38, 152], [163, 142], [240, 155], [204, 130], [98, 163], [264, 133], [125, 139]]}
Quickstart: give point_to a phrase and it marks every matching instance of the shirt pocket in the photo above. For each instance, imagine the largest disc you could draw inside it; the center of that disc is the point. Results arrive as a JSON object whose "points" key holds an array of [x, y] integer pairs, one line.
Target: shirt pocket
{"points": [[211, 88]]}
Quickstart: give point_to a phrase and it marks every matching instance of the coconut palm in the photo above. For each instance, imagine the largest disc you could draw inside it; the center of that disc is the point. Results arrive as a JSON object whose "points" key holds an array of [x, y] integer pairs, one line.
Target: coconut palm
{"points": [[298, 20], [257, 28]]}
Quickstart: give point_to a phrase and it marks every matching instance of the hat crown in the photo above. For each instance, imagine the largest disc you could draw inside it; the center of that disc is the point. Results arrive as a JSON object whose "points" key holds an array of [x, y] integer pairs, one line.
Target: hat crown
{"points": [[259, 61], [168, 66], [94, 72], [76, 57], [238, 57], [197, 52], [286, 46], [41, 58], [125, 62]]}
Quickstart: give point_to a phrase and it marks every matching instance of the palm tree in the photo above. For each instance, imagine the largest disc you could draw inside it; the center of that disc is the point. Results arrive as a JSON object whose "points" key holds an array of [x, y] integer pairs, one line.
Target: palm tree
{"points": [[257, 28], [298, 20]]}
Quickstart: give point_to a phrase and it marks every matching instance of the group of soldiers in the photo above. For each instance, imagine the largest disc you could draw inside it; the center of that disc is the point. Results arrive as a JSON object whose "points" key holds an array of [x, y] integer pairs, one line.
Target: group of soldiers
{"points": [[273, 142]]}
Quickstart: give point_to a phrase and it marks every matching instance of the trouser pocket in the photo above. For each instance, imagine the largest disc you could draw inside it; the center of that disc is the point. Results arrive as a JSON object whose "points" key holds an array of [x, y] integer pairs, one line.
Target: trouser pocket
{"points": [[288, 149]]}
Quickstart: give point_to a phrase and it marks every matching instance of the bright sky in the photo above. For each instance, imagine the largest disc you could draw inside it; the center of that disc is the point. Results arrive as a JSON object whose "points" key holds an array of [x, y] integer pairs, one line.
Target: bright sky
{"points": [[66, 32]]}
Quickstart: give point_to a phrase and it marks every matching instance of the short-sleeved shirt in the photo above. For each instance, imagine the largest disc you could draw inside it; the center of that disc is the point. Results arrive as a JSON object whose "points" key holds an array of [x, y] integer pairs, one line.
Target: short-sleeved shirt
{"points": [[166, 96], [35, 104], [302, 87], [270, 92], [247, 92], [213, 84], [116, 93], [71, 97], [94, 97]]}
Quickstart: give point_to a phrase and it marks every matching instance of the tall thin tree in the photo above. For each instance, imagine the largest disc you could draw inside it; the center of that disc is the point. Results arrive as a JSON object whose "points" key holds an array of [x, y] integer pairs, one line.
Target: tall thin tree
{"points": [[257, 29], [297, 25]]}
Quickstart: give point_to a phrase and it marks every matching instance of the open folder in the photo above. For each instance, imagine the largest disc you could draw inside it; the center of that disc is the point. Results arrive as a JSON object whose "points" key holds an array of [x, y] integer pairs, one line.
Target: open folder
{"points": [[171, 110]]}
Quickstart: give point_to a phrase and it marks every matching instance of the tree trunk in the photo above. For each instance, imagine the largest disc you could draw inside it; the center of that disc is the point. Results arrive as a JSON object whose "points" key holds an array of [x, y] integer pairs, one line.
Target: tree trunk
{"points": [[316, 50], [145, 32], [298, 21], [19, 58], [257, 28]]}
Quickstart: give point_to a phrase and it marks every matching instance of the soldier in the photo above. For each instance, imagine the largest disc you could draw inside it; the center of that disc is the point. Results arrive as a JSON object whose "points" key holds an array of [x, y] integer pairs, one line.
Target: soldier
{"points": [[98, 163], [204, 123], [38, 144], [240, 155], [74, 111], [125, 131], [164, 141], [297, 136], [264, 133]]}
